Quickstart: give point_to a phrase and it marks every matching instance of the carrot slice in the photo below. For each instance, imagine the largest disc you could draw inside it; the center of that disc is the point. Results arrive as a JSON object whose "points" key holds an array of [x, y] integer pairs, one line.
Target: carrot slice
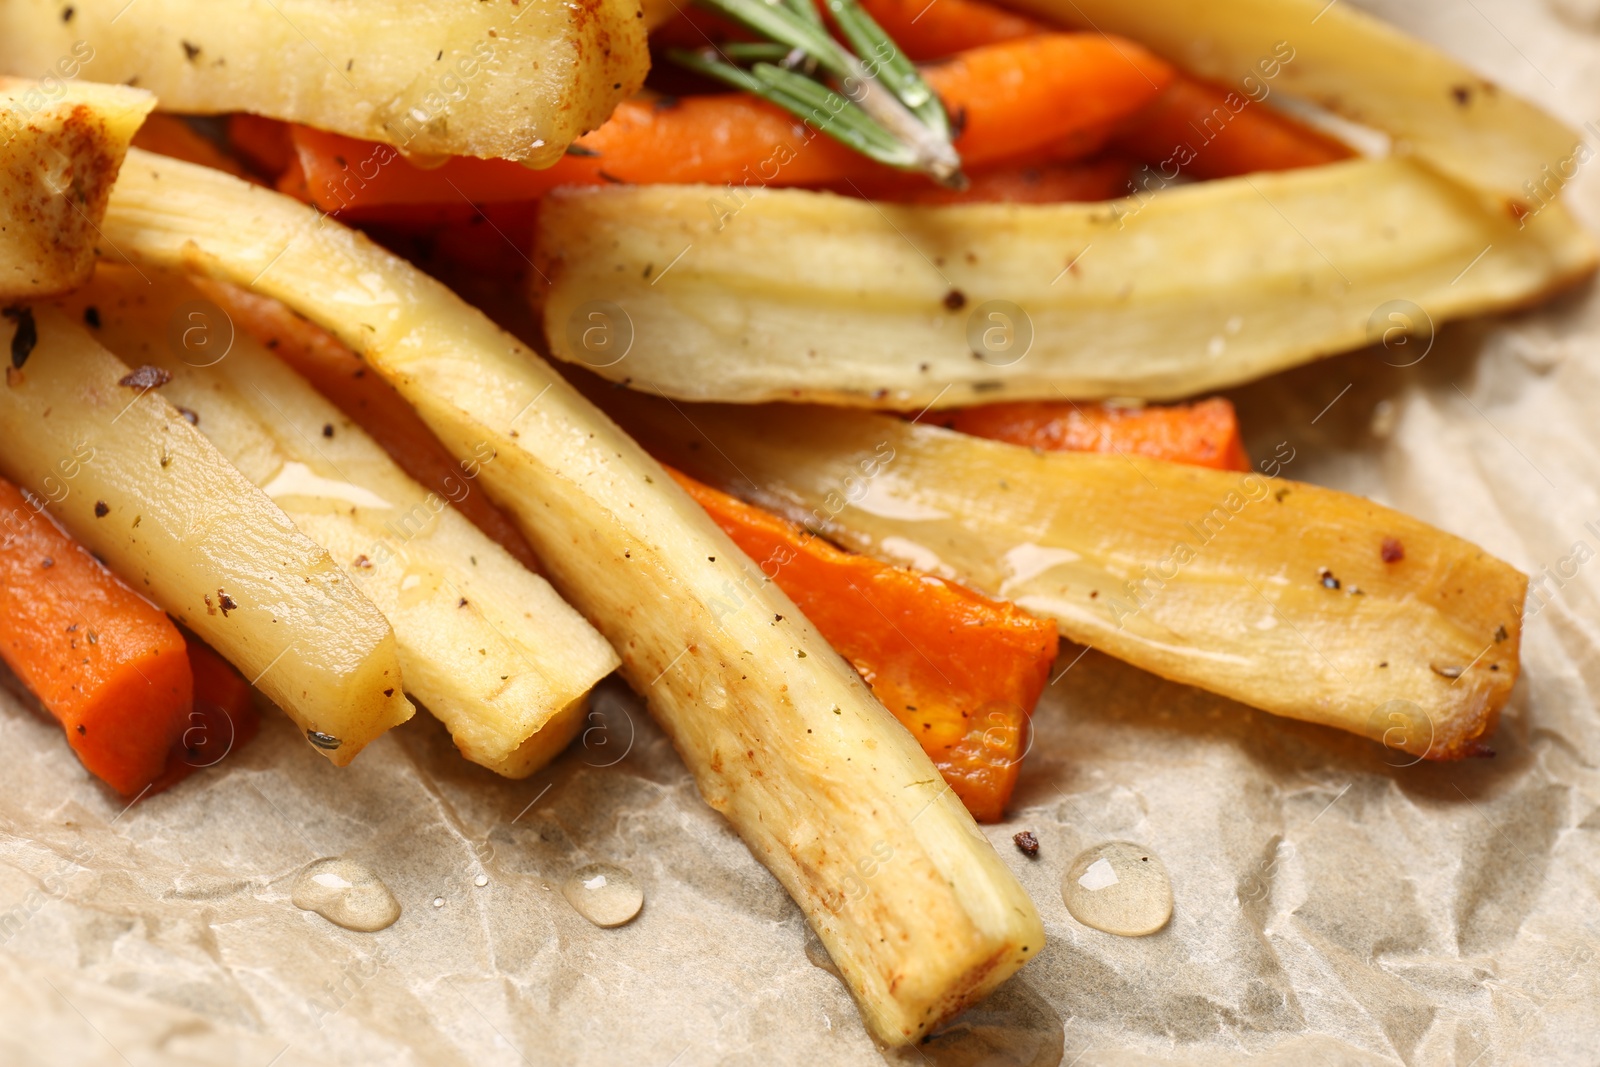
{"points": [[110, 666], [960, 671], [168, 135], [222, 720], [933, 30], [1025, 183], [1206, 131], [262, 142], [1204, 434], [1225, 135], [1007, 100], [372, 403]]}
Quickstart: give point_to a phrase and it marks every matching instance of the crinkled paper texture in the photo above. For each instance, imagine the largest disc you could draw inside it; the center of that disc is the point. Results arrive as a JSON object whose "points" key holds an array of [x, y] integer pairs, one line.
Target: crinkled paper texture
{"points": [[1331, 909]]}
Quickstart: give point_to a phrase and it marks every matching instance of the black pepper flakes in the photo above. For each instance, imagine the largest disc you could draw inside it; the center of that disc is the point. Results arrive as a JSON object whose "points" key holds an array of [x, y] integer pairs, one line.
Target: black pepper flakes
{"points": [[191, 417], [147, 376], [1500, 634], [389, 692], [82, 729], [1027, 843], [225, 602], [91, 317], [955, 300], [47, 562], [1327, 578], [101, 509], [1392, 550], [327, 429], [190, 51], [25, 338]]}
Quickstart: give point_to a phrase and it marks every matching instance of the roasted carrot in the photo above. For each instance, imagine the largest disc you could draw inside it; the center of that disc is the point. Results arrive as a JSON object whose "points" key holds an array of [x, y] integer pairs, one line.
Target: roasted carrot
{"points": [[222, 720], [1223, 132], [262, 142], [1204, 434], [341, 376], [169, 135], [109, 666], [1027, 183], [960, 671], [1206, 131], [1008, 100], [934, 30]]}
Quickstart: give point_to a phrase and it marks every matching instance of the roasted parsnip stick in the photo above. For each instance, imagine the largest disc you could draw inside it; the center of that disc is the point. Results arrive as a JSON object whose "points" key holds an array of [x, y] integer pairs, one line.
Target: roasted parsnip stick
{"points": [[485, 645], [1299, 600], [139, 486], [918, 911], [502, 78], [810, 296]]}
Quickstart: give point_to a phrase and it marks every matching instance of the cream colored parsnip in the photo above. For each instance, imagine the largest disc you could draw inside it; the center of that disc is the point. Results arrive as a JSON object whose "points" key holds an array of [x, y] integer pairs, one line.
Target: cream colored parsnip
{"points": [[61, 143], [827, 789], [132, 480], [1299, 600], [485, 645], [516, 79], [810, 296]]}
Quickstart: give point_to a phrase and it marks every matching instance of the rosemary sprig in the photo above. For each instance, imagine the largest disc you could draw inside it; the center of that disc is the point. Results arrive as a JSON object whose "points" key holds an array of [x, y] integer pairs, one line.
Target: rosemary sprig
{"points": [[868, 96]]}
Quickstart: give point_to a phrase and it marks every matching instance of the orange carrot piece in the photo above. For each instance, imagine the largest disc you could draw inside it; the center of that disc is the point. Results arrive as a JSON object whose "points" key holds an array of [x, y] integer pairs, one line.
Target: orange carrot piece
{"points": [[168, 135], [1206, 131], [262, 142], [934, 30], [340, 375], [960, 671], [1008, 100], [109, 666], [222, 721], [1225, 136], [1027, 183], [1203, 434]]}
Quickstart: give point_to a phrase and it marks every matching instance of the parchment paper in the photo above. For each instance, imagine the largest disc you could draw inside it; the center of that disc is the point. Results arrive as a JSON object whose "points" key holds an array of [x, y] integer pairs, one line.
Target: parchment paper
{"points": [[1331, 909]]}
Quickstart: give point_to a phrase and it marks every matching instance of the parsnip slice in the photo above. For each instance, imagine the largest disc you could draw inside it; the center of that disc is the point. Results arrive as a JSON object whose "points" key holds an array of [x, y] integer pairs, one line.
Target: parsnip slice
{"points": [[518, 79], [918, 911], [1356, 66], [61, 144], [1299, 600], [141, 488], [485, 645], [810, 296]]}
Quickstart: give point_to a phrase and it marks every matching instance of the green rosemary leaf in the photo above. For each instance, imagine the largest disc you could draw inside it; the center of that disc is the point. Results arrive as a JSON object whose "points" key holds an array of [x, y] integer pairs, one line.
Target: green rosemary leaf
{"points": [[883, 58], [780, 23], [836, 116], [751, 52]]}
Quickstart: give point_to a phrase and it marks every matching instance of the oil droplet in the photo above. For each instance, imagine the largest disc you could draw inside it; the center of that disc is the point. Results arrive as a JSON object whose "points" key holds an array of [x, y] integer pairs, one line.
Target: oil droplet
{"points": [[347, 894], [481, 881], [604, 894], [1119, 887], [818, 956], [438, 902]]}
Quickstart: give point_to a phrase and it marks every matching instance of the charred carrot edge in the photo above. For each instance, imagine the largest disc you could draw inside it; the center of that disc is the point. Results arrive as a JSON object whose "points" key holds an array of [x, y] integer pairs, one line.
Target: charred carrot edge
{"points": [[1204, 434], [1009, 100], [107, 664], [960, 671], [339, 374]]}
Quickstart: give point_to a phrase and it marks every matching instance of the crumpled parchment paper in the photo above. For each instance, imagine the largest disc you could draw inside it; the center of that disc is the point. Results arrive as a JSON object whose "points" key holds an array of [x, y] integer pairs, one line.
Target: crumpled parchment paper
{"points": [[1330, 908]]}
